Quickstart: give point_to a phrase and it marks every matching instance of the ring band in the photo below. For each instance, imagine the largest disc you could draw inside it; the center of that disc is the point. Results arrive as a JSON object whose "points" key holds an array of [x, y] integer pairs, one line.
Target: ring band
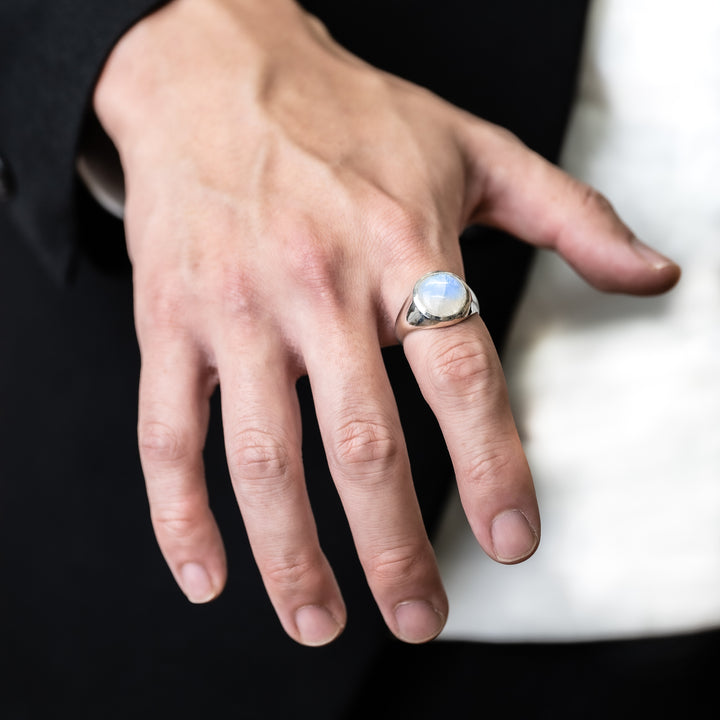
{"points": [[438, 299]]}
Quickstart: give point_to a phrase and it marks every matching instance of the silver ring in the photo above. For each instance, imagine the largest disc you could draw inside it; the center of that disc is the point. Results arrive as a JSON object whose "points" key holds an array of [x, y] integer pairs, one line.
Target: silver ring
{"points": [[438, 299]]}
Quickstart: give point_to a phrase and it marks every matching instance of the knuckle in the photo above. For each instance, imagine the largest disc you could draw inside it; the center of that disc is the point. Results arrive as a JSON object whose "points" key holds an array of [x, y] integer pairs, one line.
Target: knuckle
{"points": [[366, 445], [464, 365], [162, 308], [162, 443], [318, 26], [487, 470], [500, 136], [507, 136], [177, 521], [594, 201], [499, 139], [289, 573], [397, 565], [258, 455], [403, 222], [239, 297], [316, 264]]}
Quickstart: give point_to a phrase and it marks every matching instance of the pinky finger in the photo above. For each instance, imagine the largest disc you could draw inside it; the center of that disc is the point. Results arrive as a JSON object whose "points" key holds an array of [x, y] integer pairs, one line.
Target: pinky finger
{"points": [[173, 417]]}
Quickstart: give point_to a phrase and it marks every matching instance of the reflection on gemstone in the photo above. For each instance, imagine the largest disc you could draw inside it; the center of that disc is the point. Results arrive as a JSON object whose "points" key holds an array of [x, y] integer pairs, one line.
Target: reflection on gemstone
{"points": [[441, 294]]}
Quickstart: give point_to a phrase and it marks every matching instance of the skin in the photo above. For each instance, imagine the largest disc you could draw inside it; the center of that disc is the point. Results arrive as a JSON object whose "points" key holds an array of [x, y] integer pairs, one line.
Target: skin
{"points": [[264, 162]]}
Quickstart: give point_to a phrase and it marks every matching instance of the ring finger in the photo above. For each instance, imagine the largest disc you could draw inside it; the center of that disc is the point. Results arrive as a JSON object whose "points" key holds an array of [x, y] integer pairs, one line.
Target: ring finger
{"points": [[461, 378]]}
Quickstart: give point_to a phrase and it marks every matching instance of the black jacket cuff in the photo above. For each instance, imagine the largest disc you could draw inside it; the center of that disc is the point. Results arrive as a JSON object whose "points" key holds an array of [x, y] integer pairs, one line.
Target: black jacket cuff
{"points": [[51, 54]]}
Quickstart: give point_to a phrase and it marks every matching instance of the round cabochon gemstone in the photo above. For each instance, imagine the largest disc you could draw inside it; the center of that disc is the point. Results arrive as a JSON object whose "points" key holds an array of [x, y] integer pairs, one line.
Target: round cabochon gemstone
{"points": [[441, 294]]}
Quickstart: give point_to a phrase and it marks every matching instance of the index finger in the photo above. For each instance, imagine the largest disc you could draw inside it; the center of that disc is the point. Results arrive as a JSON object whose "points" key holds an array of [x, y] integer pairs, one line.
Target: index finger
{"points": [[521, 192], [459, 374]]}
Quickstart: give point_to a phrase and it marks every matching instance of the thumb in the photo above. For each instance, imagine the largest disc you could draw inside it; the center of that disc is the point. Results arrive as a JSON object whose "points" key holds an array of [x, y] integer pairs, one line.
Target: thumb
{"points": [[518, 191]]}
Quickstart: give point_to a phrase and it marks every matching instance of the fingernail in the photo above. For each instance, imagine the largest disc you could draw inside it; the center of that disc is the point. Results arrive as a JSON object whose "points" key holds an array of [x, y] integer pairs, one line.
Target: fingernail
{"points": [[650, 256], [316, 625], [418, 621], [512, 536], [196, 583]]}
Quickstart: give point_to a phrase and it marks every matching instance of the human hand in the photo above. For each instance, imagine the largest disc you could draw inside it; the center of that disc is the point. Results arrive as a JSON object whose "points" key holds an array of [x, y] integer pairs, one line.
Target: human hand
{"points": [[282, 199]]}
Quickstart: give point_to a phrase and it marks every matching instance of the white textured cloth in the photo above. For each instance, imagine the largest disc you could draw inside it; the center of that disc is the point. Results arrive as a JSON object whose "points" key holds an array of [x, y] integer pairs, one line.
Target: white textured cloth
{"points": [[618, 399]]}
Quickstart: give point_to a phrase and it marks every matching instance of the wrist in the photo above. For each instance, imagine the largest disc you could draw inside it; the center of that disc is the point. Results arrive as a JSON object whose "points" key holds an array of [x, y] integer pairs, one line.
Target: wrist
{"points": [[189, 39]]}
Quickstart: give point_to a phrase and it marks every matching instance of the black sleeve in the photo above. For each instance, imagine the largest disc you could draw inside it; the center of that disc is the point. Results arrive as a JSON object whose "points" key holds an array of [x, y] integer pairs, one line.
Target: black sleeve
{"points": [[51, 53]]}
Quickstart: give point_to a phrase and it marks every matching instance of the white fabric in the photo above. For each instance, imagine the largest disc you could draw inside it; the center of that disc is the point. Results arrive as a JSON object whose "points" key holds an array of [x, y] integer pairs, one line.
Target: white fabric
{"points": [[618, 399], [98, 166]]}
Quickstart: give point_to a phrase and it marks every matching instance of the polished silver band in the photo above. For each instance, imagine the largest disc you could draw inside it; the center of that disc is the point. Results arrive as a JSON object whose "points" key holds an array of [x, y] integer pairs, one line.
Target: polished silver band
{"points": [[438, 299]]}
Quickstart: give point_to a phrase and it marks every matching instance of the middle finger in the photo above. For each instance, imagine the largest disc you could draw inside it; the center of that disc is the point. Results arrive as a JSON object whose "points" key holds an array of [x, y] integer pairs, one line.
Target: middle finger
{"points": [[368, 459], [263, 438]]}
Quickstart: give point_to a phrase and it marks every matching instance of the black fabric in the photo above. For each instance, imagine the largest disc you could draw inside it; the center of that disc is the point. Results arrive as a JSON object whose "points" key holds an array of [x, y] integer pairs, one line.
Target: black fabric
{"points": [[91, 623], [51, 52], [663, 677]]}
